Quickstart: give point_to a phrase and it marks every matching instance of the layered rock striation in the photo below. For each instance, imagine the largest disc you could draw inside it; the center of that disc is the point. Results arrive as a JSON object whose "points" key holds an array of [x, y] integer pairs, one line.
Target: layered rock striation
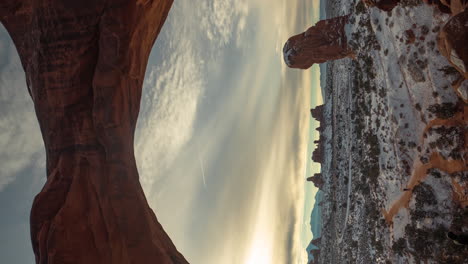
{"points": [[85, 62], [452, 43], [320, 43]]}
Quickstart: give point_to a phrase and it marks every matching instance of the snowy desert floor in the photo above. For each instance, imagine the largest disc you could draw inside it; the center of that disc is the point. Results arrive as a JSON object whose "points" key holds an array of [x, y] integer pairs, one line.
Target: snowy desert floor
{"points": [[396, 176]]}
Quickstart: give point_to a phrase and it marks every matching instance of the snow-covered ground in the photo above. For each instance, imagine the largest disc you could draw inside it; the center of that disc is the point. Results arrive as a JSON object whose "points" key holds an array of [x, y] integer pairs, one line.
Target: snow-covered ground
{"points": [[390, 181]]}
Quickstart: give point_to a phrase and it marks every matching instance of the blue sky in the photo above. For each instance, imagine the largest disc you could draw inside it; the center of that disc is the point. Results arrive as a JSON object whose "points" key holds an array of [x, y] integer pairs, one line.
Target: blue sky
{"points": [[222, 139]]}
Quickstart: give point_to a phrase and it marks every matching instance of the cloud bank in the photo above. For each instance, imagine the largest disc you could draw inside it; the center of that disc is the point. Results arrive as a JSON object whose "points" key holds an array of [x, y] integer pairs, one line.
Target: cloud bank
{"points": [[223, 132], [20, 140]]}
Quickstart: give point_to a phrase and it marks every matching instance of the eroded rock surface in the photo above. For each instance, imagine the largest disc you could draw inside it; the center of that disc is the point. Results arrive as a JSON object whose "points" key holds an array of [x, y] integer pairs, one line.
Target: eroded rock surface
{"points": [[320, 43], [85, 62], [452, 43]]}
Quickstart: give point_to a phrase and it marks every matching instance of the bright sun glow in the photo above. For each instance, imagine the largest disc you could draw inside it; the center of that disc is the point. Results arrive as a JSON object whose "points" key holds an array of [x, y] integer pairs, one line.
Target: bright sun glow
{"points": [[261, 245], [260, 253]]}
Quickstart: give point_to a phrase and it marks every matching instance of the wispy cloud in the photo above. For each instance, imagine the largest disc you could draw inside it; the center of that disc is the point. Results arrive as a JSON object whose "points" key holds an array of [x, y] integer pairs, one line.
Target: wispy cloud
{"points": [[176, 82], [246, 114], [171, 94], [221, 18], [20, 141]]}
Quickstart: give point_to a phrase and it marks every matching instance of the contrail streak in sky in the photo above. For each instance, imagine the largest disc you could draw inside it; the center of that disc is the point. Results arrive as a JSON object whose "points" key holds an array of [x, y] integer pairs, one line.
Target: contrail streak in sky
{"points": [[202, 170]]}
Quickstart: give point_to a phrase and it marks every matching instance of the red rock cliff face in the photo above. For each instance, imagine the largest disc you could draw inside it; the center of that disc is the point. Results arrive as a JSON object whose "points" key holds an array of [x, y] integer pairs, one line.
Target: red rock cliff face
{"points": [[320, 43], [452, 42], [85, 62]]}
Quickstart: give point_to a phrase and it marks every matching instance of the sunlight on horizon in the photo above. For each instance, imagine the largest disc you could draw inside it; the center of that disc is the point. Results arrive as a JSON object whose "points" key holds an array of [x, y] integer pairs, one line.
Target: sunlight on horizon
{"points": [[259, 252]]}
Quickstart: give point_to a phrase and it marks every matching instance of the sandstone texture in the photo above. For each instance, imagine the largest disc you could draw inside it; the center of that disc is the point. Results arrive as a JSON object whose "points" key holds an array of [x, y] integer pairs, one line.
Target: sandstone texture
{"points": [[85, 62], [452, 42], [455, 6], [320, 43]]}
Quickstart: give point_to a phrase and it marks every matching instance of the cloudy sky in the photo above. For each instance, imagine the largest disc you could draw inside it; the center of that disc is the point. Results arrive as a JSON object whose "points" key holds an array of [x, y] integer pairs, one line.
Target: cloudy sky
{"points": [[222, 139]]}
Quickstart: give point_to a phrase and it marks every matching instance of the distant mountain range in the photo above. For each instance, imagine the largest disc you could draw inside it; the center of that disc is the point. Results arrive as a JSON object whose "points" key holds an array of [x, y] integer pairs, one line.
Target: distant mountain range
{"points": [[315, 223]]}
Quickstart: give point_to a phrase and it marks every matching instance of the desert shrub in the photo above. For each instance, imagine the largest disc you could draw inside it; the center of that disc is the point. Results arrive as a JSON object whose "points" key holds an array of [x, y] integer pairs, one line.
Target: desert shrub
{"points": [[399, 246], [434, 173], [360, 8], [424, 30], [444, 110], [419, 239], [424, 194], [410, 3], [448, 70]]}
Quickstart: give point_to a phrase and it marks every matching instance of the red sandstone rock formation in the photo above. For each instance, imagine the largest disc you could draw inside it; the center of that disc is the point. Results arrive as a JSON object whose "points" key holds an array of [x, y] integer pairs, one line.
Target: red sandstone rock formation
{"points": [[85, 62], [317, 113], [317, 155], [317, 179], [453, 7], [323, 42], [452, 43]]}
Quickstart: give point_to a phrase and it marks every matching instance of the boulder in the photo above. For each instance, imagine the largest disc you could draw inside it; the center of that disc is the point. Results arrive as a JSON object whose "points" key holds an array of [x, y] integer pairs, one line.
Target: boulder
{"points": [[320, 43]]}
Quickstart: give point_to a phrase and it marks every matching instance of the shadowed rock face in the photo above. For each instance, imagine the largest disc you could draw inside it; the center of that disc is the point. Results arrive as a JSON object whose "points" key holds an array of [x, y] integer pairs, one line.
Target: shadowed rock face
{"points": [[85, 62], [452, 43], [323, 42], [453, 7], [439, 5]]}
